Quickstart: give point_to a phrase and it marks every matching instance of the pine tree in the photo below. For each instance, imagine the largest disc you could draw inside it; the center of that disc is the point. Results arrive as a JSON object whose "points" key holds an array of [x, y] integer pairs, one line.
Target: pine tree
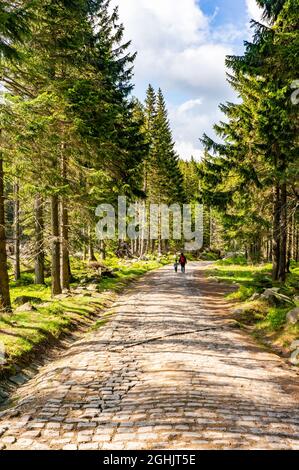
{"points": [[260, 137], [14, 17], [166, 178]]}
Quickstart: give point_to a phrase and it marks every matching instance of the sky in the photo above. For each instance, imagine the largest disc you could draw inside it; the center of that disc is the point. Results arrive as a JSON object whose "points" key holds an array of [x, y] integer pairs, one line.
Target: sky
{"points": [[181, 47]]}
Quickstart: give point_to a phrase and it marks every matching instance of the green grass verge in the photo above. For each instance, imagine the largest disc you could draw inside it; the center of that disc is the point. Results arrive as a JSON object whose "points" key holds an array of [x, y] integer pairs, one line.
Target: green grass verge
{"points": [[267, 323]]}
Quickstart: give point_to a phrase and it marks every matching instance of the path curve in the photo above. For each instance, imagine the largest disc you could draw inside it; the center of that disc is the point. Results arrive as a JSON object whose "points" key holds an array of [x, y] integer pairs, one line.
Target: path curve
{"points": [[167, 372]]}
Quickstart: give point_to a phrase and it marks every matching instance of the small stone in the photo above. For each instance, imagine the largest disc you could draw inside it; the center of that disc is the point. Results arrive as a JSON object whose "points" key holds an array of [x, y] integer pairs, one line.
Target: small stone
{"points": [[89, 446], [70, 447], [19, 379], [9, 439], [23, 442], [40, 446], [3, 429], [33, 434], [53, 426], [293, 316]]}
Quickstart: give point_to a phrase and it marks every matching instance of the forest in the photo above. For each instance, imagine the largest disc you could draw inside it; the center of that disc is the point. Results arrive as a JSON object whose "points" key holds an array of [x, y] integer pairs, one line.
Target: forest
{"points": [[73, 136], [124, 342]]}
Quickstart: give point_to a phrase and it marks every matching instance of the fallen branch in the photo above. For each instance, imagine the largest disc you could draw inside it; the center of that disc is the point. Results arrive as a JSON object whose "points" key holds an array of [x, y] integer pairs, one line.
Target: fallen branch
{"points": [[157, 338]]}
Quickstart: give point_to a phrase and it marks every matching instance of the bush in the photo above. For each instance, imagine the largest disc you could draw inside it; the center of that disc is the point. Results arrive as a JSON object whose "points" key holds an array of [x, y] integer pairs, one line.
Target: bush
{"points": [[238, 259], [242, 294], [209, 256], [277, 317], [262, 281]]}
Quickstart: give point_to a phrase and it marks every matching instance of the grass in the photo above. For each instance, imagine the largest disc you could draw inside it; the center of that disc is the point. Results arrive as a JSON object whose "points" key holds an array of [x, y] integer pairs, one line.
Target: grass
{"points": [[267, 323], [24, 333], [99, 323]]}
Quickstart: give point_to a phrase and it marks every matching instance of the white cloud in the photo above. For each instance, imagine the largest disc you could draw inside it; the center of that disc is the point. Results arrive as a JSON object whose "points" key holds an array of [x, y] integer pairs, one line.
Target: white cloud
{"points": [[180, 52], [162, 24], [254, 11], [186, 150], [189, 121]]}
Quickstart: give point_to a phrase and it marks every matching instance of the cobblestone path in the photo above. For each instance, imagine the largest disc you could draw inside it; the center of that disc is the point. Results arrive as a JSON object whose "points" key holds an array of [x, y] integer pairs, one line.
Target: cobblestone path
{"points": [[167, 372]]}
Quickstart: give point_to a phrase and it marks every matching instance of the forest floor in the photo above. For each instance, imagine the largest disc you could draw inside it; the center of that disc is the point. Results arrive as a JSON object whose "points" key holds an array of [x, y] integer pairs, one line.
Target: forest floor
{"points": [[169, 370]]}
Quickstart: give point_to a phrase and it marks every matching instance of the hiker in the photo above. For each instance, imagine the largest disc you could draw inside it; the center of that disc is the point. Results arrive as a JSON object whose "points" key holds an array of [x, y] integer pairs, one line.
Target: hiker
{"points": [[183, 262], [176, 265]]}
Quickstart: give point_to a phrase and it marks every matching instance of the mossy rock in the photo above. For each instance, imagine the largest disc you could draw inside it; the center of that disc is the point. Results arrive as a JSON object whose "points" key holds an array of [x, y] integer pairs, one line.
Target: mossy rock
{"points": [[24, 299], [247, 316]]}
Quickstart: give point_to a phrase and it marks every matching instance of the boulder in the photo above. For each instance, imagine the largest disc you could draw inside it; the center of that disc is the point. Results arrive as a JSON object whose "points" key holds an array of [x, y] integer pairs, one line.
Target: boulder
{"points": [[293, 316], [26, 308], [275, 298], [271, 290], [24, 299]]}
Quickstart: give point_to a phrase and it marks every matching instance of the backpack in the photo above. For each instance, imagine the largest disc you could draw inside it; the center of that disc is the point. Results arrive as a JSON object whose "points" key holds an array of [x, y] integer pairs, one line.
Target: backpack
{"points": [[183, 260]]}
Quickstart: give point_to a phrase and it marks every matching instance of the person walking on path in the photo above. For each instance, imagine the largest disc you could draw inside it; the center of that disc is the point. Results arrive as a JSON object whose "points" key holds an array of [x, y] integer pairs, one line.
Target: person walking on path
{"points": [[183, 262], [176, 265]]}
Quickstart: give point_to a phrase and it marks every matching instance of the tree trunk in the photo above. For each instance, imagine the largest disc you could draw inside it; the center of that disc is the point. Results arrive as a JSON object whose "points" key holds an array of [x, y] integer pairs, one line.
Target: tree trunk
{"points": [[91, 255], [55, 268], [65, 264], [282, 269], [276, 233], [39, 261], [207, 230], [4, 280], [297, 246], [17, 270], [64, 230], [103, 250]]}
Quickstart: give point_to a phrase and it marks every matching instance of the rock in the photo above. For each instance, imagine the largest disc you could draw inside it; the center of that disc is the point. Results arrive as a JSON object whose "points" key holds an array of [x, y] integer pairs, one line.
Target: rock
{"points": [[65, 291], [26, 308], [271, 290], [246, 316], [254, 297], [19, 379], [3, 394], [9, 440], [275, 298], [63, 296], [238, 311], [45, 304], [91, 287], [213, 278], [293, 316], [3, 429], [24, 299]]}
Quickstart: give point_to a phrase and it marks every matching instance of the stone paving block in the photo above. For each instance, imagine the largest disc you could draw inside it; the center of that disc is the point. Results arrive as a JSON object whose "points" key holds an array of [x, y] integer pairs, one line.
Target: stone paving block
{"points": [[200, 390]]}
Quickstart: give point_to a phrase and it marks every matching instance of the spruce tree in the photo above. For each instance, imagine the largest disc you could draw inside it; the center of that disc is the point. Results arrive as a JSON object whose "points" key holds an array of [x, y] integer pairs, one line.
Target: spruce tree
{"points": [[260, 138], [166, 178]]}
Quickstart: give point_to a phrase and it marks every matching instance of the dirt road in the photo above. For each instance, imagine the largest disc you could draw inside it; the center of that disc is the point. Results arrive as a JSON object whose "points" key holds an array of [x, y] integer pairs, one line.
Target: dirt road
{"points": [[167, 372]]}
